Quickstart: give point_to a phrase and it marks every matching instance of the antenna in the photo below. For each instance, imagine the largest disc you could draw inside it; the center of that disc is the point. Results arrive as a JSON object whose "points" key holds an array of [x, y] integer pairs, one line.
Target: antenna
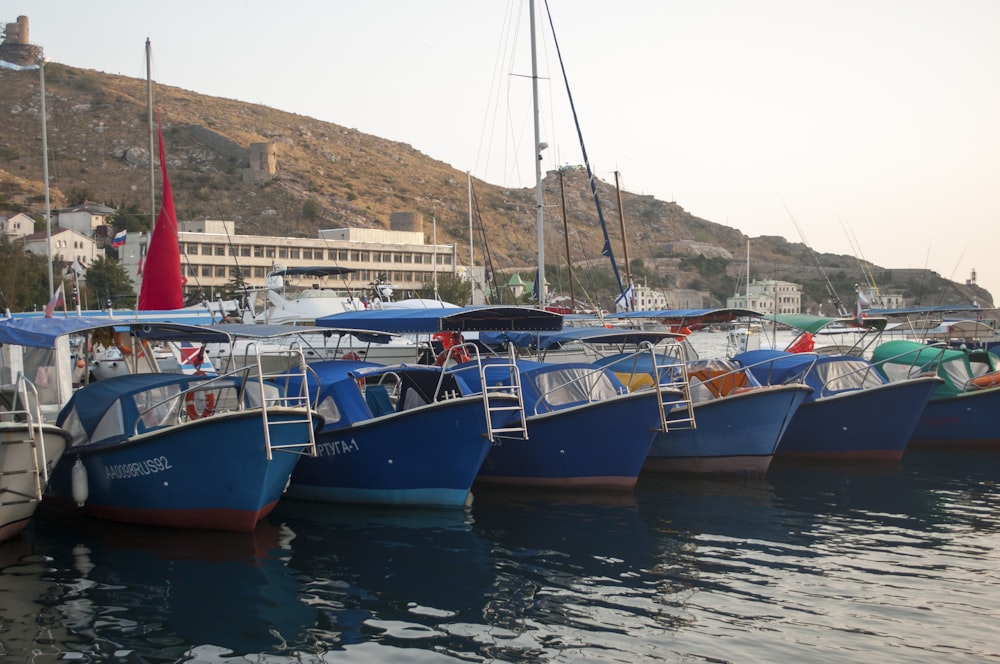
{"points": [[834, 298]]}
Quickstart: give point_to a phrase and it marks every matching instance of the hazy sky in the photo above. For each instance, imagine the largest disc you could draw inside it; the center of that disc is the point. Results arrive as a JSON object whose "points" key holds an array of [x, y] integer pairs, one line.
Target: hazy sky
{"points": [[872, 123]]}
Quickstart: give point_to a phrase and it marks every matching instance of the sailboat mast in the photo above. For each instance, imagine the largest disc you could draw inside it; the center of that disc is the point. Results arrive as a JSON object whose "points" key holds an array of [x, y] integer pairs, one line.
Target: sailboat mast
{"points": [[45, 176], [569, 261], [149, 120], [540, 278], [621, 217]]}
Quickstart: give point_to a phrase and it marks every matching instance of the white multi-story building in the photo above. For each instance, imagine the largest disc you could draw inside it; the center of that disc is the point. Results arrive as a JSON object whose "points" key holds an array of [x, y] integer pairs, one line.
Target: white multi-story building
{"points": [[18, 226], [91, 219], [769, 296], [67, 246], [212, 255]]}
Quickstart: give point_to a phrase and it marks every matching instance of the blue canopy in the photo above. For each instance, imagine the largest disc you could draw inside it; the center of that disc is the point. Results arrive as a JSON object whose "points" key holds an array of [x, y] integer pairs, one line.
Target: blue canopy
{"points": [[458, 319], [691, 316], [94, 401], [827, 374], [40, 332], [593, 335]]}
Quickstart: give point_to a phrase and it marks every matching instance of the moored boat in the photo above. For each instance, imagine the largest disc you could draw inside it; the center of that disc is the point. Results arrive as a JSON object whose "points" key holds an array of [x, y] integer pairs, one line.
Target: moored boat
{"points": [[963, 408], [181, 451], [29, 450], [397, 435], [852, 413]]}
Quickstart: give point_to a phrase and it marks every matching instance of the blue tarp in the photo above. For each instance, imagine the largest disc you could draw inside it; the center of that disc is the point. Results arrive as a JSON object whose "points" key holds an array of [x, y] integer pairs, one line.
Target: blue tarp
{"points": [[593, 335], [457, 319], [42, 332]]}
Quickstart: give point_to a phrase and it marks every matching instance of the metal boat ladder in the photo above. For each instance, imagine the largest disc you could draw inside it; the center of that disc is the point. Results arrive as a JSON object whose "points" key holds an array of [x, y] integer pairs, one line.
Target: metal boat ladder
{"points": [[21, 411], [670, 369], [502, 410], [282, 366]]}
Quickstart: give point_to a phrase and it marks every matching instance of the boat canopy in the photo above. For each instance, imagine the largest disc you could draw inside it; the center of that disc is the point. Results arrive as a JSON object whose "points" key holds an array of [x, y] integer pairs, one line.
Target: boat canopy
{"points": [[813, 324], [826, 374], [314, 271], [43, 332], [456, 319], [592, 335], [901, 359], [106, 407], [691, 316], [225, 332], [941, 309]]}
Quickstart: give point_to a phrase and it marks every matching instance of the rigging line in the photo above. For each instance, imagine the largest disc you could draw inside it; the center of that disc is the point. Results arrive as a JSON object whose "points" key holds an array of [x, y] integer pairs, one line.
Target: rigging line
{"points": [[869, 278], [240, 280], [489, 274], [486, 133], [606, 251], [835, 299], [865, 263]]}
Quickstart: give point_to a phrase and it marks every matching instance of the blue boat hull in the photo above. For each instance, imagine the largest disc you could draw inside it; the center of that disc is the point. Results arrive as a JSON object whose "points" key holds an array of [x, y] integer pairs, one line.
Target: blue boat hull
{"points": [[968, 419], [601, 445], [211, 473], [735, 434], [874, 423], [424, 457]]}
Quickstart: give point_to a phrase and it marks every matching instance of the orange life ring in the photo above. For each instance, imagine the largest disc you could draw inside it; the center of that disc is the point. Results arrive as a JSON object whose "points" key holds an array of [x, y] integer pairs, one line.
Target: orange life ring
{"points": [[122, 340], [450, 340], [987, 380], [192, 408], [350, 356]]}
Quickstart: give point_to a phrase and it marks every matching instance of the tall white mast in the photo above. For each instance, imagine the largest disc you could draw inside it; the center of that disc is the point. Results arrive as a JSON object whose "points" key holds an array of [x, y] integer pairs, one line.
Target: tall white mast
{"points": [[149, 117], [539, 146], [45, 175]]}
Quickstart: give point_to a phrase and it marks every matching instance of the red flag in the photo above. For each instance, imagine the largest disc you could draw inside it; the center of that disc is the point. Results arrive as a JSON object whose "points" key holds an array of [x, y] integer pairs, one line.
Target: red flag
{"points": [[161, 283], [56, 302]]}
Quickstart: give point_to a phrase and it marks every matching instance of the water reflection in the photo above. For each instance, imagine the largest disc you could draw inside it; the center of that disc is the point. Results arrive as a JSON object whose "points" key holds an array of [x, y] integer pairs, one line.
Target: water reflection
{"points": [[154, 593], [389, 575], [814, 562]]}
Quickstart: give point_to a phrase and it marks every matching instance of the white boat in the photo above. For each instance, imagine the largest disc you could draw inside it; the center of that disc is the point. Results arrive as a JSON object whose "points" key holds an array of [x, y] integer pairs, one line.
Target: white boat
{"points": [[29, 450]]}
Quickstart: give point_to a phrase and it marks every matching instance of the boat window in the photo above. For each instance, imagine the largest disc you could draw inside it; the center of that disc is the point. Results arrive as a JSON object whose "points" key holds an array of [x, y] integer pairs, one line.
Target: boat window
{"points": [[271, 393], [574, 385], [72, 425], [956, 370], [847, 375], [328, 409], [156, 407], [111, 425]]}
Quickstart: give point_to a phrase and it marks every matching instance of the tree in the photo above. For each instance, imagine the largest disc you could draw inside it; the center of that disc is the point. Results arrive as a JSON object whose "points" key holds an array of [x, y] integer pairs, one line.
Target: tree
{"points": [[24, 278], [451, 288], [130, 217], [107, 284]]}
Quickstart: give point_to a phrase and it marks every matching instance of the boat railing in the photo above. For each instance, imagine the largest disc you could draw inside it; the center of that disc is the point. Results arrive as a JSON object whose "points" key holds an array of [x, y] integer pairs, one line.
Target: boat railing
{"points": [[589, 384], [256, 387], [861, 372], [661, 367], [503, 415], [915, 368], [25, 409], [669, 362], [799, 377]]}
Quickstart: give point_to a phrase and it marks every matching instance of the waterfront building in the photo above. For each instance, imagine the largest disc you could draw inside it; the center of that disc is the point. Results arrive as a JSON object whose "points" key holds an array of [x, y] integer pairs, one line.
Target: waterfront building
{"points": [[769, 296], [213, 255]]}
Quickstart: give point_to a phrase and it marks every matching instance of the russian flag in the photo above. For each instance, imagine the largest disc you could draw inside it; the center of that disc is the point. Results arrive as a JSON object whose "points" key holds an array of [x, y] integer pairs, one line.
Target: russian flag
{"points": [[119, 239]]}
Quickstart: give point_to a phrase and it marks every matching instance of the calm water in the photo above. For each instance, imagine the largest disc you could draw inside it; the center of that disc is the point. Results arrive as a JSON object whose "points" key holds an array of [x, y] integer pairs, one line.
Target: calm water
{"points": [[811, 563]]}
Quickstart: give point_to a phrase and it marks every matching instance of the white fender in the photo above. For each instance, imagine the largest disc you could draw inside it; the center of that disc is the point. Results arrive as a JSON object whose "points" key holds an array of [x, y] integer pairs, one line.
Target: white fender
{"points": [[81, 488]]}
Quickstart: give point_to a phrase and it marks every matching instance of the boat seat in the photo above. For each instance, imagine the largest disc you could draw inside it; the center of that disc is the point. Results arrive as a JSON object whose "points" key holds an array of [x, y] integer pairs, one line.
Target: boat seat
{"points": [[377, 398]]}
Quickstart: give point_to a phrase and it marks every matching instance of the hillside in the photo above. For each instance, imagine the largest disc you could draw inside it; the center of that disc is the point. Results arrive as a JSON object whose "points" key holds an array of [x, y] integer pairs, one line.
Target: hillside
{"points": [[330, 176]]}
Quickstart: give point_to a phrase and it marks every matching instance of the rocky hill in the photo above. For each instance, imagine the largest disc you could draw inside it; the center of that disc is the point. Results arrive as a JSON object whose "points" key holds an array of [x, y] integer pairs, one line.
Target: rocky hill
{"points": [[328, 176]]}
